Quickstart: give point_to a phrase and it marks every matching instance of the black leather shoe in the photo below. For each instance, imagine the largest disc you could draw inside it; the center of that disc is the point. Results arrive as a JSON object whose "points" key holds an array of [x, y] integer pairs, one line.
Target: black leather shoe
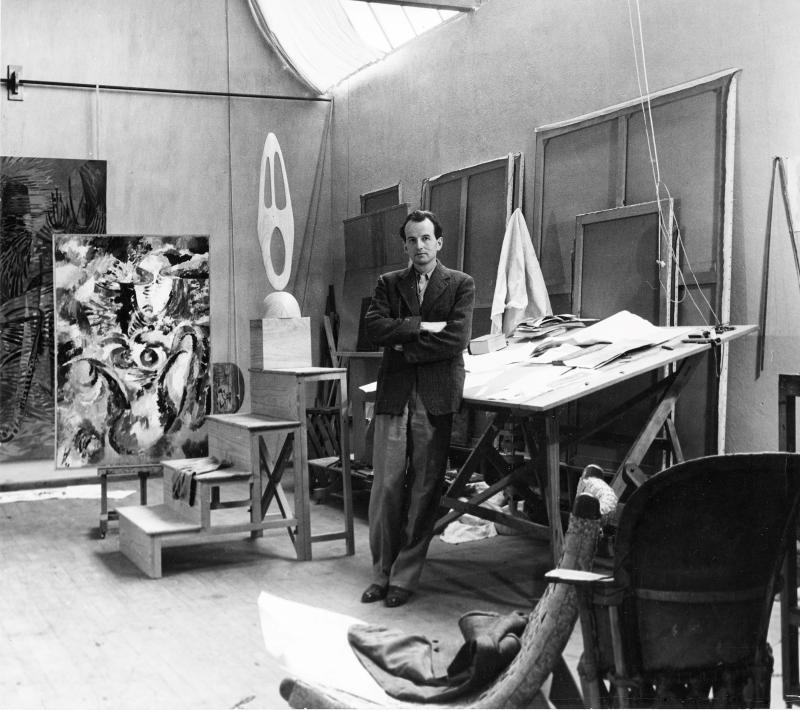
{"points": [[373, 593], [397, 596]]}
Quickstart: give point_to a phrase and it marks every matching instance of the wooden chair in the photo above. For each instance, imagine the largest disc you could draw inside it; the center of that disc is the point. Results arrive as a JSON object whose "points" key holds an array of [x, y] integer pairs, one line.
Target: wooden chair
{"points": [[684, 616], [546, 634]]}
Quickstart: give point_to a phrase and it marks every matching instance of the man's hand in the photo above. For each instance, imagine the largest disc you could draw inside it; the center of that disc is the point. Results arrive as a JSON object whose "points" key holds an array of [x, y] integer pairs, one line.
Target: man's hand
{"points": [[432, 326], [436, 326]]}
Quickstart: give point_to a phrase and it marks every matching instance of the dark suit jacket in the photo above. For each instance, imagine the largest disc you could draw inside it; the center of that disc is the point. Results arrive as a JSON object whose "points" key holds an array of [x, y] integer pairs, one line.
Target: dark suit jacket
{"points": [[431, 360]]}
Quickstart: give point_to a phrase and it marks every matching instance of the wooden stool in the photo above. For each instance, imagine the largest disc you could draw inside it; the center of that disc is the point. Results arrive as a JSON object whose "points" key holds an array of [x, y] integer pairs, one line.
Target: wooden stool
{"points": [[283, 393], [240, 440], [123, 473]]}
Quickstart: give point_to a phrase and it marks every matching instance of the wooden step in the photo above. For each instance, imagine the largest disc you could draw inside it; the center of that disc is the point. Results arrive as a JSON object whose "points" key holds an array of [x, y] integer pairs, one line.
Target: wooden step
{"points": [[224, 473], [208, 488], [231, 436], [157, 519], [142, 529], [145, 530], [223, 476]]}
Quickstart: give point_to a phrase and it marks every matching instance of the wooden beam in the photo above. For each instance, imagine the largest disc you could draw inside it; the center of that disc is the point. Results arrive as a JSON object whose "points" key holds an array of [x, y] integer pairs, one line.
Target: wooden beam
{"points": [[456, 5]]}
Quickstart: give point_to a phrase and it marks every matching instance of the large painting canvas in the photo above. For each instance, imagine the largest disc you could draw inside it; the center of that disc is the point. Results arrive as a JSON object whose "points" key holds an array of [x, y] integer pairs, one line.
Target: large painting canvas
{"points": [[39, 197], [132, 360]]}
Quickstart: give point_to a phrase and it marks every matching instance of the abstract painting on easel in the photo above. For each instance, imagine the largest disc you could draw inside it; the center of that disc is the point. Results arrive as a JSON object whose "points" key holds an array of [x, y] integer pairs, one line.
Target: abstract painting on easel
{"points": [[39, 197], [132, 359]]}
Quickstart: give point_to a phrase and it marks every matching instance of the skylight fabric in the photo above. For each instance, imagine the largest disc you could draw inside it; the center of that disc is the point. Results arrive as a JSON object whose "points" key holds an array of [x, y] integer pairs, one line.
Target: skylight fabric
{"points": [[324, 41], [316, 37]]}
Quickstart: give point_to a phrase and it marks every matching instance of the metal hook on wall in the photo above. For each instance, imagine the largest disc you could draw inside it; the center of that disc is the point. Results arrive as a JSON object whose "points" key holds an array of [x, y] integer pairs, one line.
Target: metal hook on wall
{"points": [[14, 82]]}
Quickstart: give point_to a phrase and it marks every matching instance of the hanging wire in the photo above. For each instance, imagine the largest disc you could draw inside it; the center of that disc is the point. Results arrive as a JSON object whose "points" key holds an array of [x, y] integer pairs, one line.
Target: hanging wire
{"points": [[233, 343], [666, 230], [97, 122]]}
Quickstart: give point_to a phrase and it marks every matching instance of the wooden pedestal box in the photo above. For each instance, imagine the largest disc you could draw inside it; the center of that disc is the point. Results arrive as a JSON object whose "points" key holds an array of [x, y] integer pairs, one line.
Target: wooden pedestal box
{"points": [[277, 343]]}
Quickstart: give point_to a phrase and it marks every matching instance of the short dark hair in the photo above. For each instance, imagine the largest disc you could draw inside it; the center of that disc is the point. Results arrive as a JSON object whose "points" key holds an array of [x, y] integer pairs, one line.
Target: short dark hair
{"points": [[421, 216]]}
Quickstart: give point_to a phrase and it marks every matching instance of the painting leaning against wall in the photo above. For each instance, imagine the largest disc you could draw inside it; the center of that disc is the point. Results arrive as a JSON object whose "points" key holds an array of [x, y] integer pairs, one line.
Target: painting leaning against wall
{"points": [[39, 197], [132, 348]]}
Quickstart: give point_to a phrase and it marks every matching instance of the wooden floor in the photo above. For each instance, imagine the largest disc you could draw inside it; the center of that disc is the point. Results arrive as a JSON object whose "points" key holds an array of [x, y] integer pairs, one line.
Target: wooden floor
{"points": [[81, 627]]}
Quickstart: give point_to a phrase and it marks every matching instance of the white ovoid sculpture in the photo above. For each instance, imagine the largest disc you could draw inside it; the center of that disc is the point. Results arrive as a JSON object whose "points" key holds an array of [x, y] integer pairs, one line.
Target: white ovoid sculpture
{"points": [[276, 221]]}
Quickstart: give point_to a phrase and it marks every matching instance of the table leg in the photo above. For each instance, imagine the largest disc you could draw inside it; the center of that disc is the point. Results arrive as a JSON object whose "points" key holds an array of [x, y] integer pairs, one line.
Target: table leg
{"points": [[257, 486], [553, 492], [103, 505], [344, 449], [302, 499], [143, 476], [653, 424], [458, 485]]}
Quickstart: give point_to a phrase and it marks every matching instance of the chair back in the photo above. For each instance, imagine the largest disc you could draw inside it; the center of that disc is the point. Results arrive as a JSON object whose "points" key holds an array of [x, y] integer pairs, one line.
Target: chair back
{"points": [[697, 554]]}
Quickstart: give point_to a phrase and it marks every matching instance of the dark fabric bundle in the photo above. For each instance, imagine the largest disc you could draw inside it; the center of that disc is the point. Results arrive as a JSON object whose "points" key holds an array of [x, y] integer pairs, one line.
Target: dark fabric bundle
{"points": [[407, 668]]}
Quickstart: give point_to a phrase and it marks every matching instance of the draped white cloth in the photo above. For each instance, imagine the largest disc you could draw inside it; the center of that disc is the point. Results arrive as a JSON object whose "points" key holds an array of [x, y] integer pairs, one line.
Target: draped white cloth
{"points": [[520, 292]]}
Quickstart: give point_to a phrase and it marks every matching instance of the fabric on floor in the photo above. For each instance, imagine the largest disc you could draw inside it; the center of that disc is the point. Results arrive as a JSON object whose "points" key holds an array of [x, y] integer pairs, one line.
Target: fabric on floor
{"points": [[408, 668]]}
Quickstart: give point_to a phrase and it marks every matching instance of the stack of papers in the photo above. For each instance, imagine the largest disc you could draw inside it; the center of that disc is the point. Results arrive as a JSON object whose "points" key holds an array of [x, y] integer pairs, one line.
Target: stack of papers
{"points": [[622, 326], [534, 328], [604, 342]]}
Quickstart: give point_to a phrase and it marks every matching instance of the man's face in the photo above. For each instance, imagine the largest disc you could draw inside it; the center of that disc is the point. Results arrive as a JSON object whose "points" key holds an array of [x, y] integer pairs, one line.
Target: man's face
{"points": [[421, 245]]}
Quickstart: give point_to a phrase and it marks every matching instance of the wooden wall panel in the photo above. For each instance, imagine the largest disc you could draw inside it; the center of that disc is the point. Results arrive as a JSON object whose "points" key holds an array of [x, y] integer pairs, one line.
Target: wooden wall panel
{"points": [[602, 160]]}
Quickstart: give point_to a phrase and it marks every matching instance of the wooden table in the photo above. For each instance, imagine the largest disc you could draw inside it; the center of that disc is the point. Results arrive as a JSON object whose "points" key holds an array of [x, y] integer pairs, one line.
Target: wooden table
{"points": [[674, 365]]}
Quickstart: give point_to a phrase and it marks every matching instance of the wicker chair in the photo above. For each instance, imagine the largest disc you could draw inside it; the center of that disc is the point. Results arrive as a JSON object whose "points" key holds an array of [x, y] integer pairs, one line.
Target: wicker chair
{"points": [[683, 620]]}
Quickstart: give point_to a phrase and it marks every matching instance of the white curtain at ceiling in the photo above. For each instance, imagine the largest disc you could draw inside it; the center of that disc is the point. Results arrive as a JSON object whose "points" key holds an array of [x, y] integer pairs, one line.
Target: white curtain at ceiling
{"points": [[314, 37]]}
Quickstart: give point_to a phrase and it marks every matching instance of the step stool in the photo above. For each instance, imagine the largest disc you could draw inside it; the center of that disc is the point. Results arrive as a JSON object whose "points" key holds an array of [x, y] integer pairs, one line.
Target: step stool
{"points": [[237, 441], [145, 530]]}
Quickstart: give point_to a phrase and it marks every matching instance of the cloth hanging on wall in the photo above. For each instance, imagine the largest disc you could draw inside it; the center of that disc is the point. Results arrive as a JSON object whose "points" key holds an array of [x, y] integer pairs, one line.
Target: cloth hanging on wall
{"points": [[520, 292]]}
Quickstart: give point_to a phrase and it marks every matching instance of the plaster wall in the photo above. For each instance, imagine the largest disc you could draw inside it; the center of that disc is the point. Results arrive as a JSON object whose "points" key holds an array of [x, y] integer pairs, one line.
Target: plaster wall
{"points": [[476, 87], [177, 164]]}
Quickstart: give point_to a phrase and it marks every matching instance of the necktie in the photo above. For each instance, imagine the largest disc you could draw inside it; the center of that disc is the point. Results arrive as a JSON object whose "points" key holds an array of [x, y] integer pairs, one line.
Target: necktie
{"points": [[422, 284]]}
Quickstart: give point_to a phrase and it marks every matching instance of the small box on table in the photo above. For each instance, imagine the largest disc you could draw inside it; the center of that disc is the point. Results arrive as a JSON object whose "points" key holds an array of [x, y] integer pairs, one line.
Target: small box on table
{"points": [[280, 343]]}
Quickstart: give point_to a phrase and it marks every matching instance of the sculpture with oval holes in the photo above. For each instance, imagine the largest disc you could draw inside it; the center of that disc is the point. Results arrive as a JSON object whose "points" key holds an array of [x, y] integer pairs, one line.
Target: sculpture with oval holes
{"points": [[276, 222], [282, 337]]}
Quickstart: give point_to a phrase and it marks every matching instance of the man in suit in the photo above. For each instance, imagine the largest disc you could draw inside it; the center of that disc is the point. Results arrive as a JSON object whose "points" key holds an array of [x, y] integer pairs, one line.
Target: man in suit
{"points": [[422, 317]]}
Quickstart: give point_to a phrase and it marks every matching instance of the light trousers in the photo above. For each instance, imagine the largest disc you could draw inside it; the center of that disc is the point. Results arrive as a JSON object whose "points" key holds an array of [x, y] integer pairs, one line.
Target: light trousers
{"points": [[409, 463]]}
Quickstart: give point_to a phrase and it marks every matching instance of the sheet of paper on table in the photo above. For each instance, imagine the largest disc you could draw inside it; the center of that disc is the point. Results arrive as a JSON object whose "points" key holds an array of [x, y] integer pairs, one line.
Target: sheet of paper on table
{"points": [[493, 361], [525, 382], [606, 341]]}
